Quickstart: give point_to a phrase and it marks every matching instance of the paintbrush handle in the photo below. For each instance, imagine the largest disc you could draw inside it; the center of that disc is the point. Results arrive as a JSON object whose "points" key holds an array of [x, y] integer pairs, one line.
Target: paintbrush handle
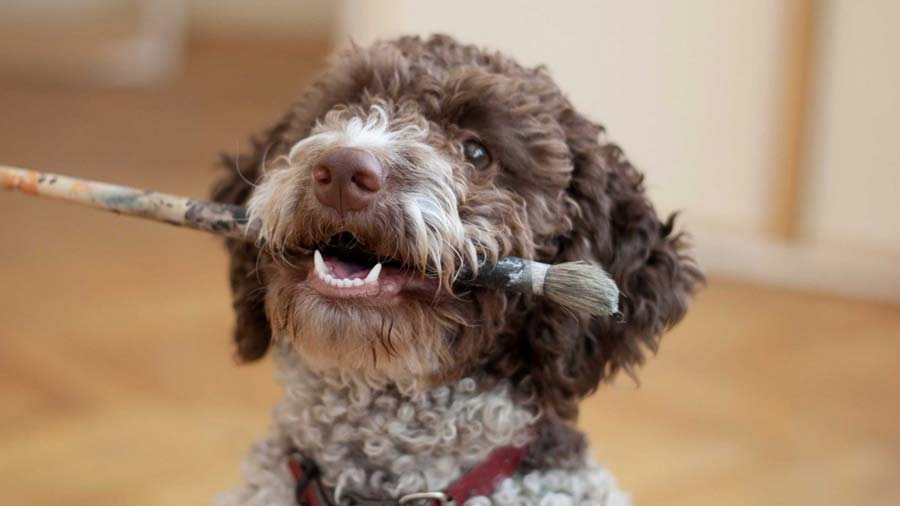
{"points": [[509, 273], [222, 219], [597, 294]]}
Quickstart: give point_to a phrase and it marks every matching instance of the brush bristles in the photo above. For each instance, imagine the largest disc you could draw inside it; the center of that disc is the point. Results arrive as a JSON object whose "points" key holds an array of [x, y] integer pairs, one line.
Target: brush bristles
{"points": [[581, 286]]}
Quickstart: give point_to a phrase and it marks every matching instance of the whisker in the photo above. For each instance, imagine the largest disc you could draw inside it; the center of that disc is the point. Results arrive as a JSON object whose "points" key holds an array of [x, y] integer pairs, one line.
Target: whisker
{"points": [[265, 155], [259, 255], [390, 332], [237, 166]]}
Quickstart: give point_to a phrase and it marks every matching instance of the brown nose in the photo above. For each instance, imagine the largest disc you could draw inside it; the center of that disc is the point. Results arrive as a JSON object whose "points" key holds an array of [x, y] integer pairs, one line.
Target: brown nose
{"points": [[347, 179]]}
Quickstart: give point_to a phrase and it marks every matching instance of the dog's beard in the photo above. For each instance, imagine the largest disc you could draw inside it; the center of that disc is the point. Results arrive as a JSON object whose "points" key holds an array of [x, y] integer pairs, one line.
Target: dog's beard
{"points": [[406, 339]]}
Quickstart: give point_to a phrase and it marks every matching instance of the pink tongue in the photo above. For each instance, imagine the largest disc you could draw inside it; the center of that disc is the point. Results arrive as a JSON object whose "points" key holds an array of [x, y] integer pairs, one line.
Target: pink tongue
{"points": [[346, 270]]}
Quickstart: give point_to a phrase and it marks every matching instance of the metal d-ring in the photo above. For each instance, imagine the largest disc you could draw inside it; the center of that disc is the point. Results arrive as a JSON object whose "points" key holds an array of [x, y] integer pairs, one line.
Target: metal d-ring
{"points": [[440, 498]]}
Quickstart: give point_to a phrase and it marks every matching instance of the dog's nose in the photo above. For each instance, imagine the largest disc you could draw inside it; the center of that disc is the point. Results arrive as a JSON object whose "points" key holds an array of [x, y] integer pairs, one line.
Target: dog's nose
{"points": [[347, 179]]}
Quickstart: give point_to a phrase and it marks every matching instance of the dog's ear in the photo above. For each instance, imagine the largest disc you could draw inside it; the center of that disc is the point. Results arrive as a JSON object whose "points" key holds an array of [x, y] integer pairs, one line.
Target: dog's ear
{"points": [[613, 225], [252, 333]]}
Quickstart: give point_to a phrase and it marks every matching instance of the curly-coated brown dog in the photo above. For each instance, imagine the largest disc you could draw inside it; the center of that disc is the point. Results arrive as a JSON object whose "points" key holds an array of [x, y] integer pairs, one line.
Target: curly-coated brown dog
{"points": [[404, 162]]}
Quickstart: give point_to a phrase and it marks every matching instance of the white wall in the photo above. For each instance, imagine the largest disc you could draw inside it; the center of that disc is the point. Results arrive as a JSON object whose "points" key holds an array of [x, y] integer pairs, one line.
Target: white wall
{"points": [[855, 148]]}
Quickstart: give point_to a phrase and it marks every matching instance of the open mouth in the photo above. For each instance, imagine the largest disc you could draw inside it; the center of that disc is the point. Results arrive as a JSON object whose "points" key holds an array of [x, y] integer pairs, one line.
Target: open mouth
{"points": [[344, 268]]}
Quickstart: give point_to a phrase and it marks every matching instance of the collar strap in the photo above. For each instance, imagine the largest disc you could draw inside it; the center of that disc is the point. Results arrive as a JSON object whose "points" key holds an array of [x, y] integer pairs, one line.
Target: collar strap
{"points": [[480, 480]]}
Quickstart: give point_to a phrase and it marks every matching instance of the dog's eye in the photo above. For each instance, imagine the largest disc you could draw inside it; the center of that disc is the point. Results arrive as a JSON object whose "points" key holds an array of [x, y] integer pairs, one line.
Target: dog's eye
{"points": [[477, 154]]}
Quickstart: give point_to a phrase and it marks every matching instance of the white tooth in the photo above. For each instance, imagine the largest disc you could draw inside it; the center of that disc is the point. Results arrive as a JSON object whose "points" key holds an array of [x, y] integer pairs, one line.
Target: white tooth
{"points": [[345, 283], [357, 282], [329, 279], [373, 274], [319, 263]]}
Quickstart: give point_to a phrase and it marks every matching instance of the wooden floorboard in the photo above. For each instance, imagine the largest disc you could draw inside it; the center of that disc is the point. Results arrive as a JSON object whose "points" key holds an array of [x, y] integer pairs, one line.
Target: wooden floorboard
{"points": [[117, 384]]}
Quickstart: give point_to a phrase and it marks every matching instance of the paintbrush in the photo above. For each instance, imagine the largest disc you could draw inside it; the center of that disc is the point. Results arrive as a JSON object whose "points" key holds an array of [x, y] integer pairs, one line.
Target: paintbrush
{"points": [[579, 286]]}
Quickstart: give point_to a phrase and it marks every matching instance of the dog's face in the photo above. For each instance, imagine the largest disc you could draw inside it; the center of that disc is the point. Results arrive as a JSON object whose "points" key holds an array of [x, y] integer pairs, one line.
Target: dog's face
{"points": [[412, 159]]}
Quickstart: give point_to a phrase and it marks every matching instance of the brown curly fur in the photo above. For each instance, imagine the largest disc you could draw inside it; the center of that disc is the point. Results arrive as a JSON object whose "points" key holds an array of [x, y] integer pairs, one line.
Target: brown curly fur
{"points": [[557, 191]]}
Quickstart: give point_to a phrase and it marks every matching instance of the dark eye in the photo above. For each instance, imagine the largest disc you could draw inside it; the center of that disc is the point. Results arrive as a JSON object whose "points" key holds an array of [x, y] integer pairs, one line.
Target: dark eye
{"points": [[476, 154]]}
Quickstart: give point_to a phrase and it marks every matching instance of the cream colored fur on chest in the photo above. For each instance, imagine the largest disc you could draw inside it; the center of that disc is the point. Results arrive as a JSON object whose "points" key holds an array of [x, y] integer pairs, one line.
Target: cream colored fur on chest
{"points": [[378, 438]]}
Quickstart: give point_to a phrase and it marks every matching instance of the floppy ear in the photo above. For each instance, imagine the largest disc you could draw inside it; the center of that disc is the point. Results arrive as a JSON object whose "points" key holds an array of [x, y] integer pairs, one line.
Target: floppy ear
{"points": [[612, 225], [252, 332]]}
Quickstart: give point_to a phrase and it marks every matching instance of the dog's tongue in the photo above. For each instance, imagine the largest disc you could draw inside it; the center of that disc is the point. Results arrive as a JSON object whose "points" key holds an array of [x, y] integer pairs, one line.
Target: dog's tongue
{"points": [[346, 270]]}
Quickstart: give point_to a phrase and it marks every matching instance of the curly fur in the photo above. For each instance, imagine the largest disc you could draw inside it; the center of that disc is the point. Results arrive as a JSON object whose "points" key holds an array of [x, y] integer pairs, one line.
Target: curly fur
{"points": [[556, 190], [381, 438]]}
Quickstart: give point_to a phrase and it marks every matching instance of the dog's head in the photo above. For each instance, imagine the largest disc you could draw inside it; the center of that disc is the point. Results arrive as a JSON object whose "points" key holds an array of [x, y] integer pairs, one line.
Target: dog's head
{"points": [[413, 158]]}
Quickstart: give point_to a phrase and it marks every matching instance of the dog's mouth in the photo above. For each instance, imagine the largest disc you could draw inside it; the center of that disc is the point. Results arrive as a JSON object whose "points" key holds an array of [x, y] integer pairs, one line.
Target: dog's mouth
{"points": [[344, 268]]}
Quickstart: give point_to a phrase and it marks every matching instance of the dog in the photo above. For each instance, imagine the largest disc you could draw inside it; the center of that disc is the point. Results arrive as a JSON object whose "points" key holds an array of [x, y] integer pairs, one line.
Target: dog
{"points": [[403, 163]]}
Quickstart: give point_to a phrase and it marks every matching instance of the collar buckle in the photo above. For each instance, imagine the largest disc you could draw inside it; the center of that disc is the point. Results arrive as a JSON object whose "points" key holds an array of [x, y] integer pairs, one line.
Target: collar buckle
{"points": [[438, 498]]}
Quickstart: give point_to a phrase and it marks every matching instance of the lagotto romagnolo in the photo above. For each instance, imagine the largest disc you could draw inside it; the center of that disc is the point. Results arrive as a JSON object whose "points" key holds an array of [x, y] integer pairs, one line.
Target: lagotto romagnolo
{"points": [[402, 163]]}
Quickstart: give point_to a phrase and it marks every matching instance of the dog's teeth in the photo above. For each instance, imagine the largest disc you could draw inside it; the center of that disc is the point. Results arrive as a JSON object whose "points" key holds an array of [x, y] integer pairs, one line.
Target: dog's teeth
{"points": [[319, 263], [323, 271], [373, 274]]}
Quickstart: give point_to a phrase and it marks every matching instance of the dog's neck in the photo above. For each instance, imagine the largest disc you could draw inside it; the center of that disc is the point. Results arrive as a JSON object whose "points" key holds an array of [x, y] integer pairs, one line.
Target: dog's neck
{"points": [[376, 437]]}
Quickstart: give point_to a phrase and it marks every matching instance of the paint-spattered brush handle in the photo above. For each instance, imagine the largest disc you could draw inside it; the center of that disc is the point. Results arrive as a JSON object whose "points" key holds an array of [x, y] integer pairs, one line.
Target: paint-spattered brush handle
{"points": [[575, 285], [222, 219]]}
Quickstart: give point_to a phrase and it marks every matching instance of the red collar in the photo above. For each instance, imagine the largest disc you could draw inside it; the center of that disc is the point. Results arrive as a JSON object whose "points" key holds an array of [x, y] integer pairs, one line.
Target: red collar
{"points": [[480, 480]]}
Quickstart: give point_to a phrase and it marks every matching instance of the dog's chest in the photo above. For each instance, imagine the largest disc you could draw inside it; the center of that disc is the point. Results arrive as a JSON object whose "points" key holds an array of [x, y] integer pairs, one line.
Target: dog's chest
{"points": [[374, 438]]}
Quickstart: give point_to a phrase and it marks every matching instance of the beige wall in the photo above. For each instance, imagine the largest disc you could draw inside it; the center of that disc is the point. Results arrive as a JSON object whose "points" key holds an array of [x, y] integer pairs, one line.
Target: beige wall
{"points": [[854, 194]]}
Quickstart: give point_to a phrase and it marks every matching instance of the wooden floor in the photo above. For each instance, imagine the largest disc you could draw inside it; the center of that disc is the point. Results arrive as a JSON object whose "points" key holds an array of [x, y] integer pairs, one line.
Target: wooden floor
{"points": [[117, 384]]}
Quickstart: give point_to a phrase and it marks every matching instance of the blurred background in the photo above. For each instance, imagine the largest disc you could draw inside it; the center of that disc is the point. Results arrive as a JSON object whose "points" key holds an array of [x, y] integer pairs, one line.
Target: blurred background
{"points": [[771, 124]]}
